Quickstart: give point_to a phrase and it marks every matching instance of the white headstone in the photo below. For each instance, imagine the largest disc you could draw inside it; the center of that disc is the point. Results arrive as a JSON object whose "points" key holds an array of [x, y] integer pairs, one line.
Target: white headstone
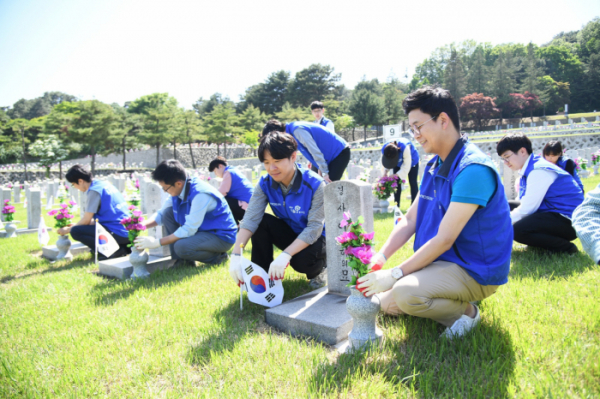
{"points": [[155, 196], [34, 208]]}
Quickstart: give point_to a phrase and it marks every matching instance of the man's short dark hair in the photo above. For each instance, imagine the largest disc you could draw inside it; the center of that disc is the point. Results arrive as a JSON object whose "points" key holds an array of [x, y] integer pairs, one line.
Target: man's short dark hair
{"points": [[214, 164], [273, 126], [169, 172], [433, 101], [280, 146], [316, 105], [77, 172], [514, 142], [390, 150], [553, 147]]}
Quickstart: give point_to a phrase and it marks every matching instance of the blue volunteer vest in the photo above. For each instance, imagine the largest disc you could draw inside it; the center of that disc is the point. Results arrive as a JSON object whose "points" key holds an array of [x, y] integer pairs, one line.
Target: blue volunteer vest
{"points": [[324, 121], [294, 207], [113, 207], [218, 222], [563, 195], [402, 143], [483, 247], [562, 162], [329, 143], [241, 189]]}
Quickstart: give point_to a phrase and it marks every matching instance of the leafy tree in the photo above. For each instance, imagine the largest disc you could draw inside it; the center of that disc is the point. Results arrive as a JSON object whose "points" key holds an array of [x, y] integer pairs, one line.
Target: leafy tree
{"points": [[431, 70], [504, 81], [192, 129], [534, 69], [289, 114], [345, 122], [454, 75], [50, 150], [592, 70], [58, 123], [392, 97], [203, 107], [158, 111], [252, 119], [251, 138], [269, 96], [478, 75], [29, 109], [478, 108], [588, 39], [123, 137], [221, 124], [313, 83], [554, 94], [561, 64], [532, 102], [20, 127], [515, 105], [367, 109]]}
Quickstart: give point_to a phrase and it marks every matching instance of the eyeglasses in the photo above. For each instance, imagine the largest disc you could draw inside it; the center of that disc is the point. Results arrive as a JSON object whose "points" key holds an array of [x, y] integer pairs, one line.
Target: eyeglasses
{"points": [[505, 159], [412, 130], [166, 190]]}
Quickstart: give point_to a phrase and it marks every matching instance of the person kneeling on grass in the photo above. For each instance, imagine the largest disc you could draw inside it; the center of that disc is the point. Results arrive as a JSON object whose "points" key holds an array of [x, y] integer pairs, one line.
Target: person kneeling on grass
{"points": [[105, 203], [235, 187], [197, 218], [296, 196], [547, 197], [553, 153], [463, 235]]}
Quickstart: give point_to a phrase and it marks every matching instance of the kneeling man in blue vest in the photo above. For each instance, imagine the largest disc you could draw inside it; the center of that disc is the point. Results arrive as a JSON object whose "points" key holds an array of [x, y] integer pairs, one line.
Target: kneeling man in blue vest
{"points": [[461, 222], [197, 218], [296, 197]]}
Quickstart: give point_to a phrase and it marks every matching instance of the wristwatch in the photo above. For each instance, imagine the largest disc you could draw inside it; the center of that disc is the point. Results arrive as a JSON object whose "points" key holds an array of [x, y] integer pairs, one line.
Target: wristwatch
{"points": [[397, 273]]}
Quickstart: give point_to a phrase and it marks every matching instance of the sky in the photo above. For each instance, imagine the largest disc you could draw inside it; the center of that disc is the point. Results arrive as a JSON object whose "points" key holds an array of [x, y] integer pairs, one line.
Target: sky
{"points": [[120, 50]]}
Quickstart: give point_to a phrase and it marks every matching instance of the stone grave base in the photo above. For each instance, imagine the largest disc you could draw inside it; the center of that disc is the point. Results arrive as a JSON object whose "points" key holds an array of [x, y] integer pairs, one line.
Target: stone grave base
{"points": [[51, 252], [23, 231], [318, 314], [121, 267]]}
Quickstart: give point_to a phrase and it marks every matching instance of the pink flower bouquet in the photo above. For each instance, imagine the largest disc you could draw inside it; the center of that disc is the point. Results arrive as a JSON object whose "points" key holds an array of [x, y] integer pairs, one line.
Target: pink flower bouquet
{"points": [[133, 224], [385, 186], [357, 246], [62, 216], [8, 210]]}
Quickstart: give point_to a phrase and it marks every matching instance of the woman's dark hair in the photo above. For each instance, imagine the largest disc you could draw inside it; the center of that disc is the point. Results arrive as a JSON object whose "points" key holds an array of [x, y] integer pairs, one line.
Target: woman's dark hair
{"points": [[514, 142], [433, 101], [273, 126], [553, 147], [280, 146], [77, 172], [316, 105], [169, 172], [390, 150], [214, 164]]}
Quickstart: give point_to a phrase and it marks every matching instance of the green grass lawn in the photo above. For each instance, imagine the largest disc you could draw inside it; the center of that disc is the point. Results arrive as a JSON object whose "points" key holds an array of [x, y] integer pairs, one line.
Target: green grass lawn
{"points": [[67, 332]]}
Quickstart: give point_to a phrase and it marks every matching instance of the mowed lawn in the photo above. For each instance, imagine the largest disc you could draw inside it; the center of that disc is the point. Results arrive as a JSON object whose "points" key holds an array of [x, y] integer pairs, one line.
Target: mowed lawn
{"points": [[67, 332]]}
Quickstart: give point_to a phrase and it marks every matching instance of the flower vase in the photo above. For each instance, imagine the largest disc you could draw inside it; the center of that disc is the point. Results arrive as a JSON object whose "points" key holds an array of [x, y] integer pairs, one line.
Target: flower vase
{"points": [[63, 245], [384, 205], [139, 260], [596, 168], [364, 315], [584, 173], [11, 229]]}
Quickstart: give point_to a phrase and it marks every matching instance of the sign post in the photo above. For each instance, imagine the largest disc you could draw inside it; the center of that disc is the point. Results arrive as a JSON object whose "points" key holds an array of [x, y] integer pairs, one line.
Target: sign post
{"points": [[392, 132]]}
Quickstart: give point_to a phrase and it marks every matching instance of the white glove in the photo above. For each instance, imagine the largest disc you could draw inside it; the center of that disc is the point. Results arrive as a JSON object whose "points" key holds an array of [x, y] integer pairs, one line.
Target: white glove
{"points": [[277, 267], [376, 282], [377, 261], [326, 178], [146, 242], [235, 269]]}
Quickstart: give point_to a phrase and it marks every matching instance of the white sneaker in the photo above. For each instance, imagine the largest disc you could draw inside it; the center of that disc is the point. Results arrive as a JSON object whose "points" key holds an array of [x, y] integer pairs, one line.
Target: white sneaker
{"points": [[320, 280], [462, 325]]}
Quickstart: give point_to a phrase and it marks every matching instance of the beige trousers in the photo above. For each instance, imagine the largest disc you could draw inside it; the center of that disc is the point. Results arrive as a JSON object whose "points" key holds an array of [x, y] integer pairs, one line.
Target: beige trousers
{"points": [[439, 291]]}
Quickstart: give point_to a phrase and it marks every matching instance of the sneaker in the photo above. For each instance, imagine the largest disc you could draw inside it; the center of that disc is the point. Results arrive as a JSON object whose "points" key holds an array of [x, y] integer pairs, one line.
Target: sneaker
{"points": [[220, 259], [573, 249], [462, 325], [184, 263], [320, 280]]}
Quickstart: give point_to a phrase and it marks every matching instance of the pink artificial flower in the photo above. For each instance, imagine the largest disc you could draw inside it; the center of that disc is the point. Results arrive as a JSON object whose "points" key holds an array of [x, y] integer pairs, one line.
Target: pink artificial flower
{"points": [[137, 214], [64, 206], [344, 222], [6, 201], [345, 237], [59, 216], [368, 236], [131, 207], [72, 203], [69, 216], [52, 212], [364, 253]]}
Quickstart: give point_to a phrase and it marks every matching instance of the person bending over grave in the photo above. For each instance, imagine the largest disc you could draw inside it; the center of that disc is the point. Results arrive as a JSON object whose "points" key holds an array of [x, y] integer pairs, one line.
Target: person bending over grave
{"points": [[318, 111], [235, 187], [198, 221], [553, 153], [296, 197], [402, 157], [463, 236], [586, 222], [325, 150], [105, 203], [547, 197]]}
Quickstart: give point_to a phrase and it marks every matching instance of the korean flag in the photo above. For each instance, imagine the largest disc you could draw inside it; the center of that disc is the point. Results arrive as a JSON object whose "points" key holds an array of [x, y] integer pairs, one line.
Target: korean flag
{"points": [[261, 289]]}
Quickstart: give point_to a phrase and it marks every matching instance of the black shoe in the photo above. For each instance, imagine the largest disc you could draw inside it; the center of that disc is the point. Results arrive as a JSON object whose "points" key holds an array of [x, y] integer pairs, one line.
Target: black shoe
{"points": [[573, 249], [184, 263]]}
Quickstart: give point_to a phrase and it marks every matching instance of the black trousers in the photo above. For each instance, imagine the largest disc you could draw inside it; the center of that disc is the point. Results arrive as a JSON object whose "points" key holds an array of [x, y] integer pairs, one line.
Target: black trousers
{"points": [[274, 231], [236, 209], [337, 166], [512, 204], [547, 230], [413, 174], [87, 236]]}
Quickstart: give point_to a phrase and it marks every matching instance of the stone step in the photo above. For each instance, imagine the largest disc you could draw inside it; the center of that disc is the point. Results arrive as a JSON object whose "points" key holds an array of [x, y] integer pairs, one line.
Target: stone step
{"points": [[121, 268], [23, 231], [51, 252]]}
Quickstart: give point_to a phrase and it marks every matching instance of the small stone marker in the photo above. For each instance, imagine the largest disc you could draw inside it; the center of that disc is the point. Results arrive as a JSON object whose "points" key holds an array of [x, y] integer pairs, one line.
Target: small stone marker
{"points": [[17, 193], [509, 179], [155, 197], [34, 208]]}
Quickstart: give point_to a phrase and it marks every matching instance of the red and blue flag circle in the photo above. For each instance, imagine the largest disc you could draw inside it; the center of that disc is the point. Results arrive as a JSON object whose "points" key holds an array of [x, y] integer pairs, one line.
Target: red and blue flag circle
{"points": [[103, 240], [258, 284]]}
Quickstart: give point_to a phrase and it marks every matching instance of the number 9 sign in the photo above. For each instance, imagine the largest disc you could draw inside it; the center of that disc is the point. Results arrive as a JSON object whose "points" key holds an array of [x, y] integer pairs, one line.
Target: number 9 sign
{"points": [[391, 132]]}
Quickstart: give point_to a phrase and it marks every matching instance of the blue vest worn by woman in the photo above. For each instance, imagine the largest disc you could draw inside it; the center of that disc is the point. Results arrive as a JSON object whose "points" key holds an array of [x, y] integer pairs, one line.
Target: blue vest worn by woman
{"points": [[484, 245], [113, 207], [562, 162], [218, 222], [563, 195], [294, 207], [241, 189], [402, 143], [329, 143]]}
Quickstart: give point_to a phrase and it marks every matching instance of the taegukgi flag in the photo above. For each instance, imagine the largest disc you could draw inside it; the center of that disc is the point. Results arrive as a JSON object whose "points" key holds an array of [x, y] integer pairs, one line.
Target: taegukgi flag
{"points": [[43, 236], [105, 242], [260, 288]]}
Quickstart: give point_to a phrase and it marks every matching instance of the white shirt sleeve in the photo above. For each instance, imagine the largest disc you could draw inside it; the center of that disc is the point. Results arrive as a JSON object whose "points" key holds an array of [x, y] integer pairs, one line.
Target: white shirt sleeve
{"points": [[538, 183], [406, 164], [329, 126]]}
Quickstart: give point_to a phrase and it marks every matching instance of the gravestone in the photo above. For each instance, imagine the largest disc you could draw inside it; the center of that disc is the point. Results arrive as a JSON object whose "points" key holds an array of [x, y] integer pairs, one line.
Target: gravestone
{"points": [[17, 193], [6, 195], [509, 179], [82, 202], [34, 208], [155, 197], [322, 313]]}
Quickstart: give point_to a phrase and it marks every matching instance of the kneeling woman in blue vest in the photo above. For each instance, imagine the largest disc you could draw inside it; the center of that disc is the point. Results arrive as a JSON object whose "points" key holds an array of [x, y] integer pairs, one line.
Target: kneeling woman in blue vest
{"points": [[235, 187], [296, 196], [548, 196], [105, 203], [323, 149], [198, 221], [463, 235]]}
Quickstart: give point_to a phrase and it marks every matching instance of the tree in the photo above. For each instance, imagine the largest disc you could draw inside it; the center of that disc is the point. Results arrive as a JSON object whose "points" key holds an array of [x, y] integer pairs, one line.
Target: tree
{"points": [[478, 75], [454, 75], [50, 150], [504, 80], [19, 126], [192, 128], [29, 109], [345, 122], [123, 137], [554, 94], [477, 108], [58, 123], [251, 138], [392, 97], [269, 96], [515, 105], [313, 83], [289, 114], [592, 70], [203, 107], [158, 112], [252, 119], [532, 102], [220, 124], [534, 69], [367, 109]]}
